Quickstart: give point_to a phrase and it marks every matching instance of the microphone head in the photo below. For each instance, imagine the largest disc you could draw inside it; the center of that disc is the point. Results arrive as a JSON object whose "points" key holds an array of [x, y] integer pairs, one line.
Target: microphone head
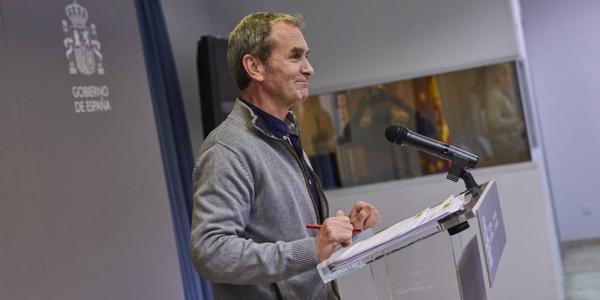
{"points": [[396, 134]]}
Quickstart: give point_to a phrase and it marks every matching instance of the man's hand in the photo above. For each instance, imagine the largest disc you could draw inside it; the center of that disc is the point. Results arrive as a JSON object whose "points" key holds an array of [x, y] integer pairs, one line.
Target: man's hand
{"points": [[364, 215], [334, 231]]}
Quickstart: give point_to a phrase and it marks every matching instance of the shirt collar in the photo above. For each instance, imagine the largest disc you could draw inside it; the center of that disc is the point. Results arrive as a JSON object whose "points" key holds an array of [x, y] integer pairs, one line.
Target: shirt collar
{"points": [[274, 125]]}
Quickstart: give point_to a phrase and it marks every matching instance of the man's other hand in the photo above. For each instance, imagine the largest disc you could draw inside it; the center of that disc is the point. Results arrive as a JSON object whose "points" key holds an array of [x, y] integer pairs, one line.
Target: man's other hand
{"points": [[364, 215]]}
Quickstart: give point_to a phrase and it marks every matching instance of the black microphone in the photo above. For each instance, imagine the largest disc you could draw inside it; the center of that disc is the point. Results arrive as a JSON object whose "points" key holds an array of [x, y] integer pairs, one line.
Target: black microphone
{"points": [[401, 136]]}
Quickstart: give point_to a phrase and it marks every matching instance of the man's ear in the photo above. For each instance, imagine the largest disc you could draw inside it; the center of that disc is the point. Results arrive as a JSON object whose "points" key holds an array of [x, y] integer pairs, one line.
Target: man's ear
{"points": [[254, 67]]}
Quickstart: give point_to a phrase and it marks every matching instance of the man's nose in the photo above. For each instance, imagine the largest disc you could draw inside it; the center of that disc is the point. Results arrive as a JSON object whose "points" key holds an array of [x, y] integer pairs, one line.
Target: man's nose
{"points": [[307, 68]]}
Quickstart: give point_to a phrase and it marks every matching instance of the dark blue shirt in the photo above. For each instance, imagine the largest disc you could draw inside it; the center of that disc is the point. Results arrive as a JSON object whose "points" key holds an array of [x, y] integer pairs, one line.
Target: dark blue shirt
{"points": [[289, 132]]}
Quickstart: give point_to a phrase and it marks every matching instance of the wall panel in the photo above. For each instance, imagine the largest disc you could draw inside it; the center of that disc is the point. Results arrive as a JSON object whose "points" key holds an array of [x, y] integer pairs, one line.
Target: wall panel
{"points": [[92, 218]]}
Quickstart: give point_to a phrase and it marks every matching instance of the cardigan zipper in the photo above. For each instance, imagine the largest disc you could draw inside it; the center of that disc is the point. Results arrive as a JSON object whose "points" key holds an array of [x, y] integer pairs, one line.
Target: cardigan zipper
{"points": [[302, 168]]}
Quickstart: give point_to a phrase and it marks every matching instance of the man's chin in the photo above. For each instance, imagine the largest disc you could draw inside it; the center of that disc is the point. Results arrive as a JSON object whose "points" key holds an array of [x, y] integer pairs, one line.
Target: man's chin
{"points": [[303, 95]]}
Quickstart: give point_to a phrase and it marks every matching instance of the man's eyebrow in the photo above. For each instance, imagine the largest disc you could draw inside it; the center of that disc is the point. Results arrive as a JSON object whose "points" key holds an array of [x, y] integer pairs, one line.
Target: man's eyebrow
{"points": [[299, 51]]}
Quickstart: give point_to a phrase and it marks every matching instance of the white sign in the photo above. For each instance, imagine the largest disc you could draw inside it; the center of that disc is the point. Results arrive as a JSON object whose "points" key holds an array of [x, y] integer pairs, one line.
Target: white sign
{"points": [[81, 42], [84, 57]]}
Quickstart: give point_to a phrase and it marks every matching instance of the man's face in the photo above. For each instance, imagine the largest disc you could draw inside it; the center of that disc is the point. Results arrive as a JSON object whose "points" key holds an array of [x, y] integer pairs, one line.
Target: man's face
{"points": [[288, 69]]}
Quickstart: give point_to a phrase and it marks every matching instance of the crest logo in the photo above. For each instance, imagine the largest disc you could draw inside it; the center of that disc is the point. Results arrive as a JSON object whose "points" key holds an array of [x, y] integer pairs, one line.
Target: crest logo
{"points": [[81, 42]]}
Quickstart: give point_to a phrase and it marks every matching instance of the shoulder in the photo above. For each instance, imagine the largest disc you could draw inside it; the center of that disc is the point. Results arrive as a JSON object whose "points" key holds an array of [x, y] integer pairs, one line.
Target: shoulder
{"points": [[231, 134], [223, 151]]}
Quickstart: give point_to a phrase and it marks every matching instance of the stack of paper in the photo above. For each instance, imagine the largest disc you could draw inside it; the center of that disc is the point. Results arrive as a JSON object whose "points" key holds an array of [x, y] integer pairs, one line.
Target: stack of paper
{"points": [[363, 248]]}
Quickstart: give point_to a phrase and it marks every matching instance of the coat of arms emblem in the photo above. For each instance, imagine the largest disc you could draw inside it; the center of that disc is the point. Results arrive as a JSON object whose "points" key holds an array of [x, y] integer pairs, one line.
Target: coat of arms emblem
{"points": [[81, 42]]}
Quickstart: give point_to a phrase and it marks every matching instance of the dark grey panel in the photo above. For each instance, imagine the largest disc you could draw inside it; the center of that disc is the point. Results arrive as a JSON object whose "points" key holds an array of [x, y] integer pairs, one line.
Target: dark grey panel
{"points": [[12, 148], [16, 222], [98, 218]]}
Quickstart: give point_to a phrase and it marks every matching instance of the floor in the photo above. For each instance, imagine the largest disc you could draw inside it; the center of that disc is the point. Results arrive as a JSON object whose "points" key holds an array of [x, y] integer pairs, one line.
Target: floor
{"points": [[581, 263]]}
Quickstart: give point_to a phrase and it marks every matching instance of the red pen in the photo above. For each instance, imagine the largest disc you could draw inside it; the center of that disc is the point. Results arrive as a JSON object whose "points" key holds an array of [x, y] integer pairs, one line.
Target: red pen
{"points": [[317, 226]]}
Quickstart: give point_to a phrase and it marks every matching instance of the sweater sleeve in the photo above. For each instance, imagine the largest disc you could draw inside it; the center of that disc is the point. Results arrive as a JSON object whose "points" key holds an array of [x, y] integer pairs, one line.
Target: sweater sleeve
{"points": [[223, 195]]}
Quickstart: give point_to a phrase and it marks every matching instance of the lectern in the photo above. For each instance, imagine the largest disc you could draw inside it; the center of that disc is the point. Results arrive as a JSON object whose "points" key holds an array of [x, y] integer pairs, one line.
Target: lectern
{"points": [[472, 238]]}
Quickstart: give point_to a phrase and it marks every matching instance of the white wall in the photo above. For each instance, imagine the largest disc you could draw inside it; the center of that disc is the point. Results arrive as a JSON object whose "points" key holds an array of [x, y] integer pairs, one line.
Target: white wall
{"points": [[356, 43], [562, 48], [530, 264]]}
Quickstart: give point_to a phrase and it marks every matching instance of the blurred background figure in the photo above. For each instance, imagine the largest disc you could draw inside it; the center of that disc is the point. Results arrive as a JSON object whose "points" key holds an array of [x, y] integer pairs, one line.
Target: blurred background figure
{"points": [[318, 139], [363, 135], [504, 117]]}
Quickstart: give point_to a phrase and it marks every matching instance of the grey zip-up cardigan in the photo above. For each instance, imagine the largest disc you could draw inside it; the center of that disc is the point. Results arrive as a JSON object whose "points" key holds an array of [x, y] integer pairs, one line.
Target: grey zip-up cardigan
{"points": [[251, 205]]}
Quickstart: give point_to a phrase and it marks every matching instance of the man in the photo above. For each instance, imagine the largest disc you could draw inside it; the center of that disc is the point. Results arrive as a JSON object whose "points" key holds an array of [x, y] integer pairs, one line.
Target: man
{"points": [[505, 122], [254, 190]]}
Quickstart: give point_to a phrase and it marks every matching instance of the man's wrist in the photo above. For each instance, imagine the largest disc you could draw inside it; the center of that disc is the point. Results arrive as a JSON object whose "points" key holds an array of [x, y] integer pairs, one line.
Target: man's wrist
{"points": [[319, 255]]}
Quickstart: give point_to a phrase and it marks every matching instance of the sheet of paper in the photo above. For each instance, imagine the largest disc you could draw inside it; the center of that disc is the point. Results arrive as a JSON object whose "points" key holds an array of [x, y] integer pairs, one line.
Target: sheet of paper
{"points": [[395, 233], [386, 235]]}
